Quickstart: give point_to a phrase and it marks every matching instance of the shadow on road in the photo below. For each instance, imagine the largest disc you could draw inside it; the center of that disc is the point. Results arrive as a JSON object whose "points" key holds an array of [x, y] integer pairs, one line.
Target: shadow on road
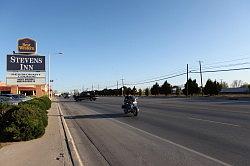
{"points": [[97, 116], [63, 101]]}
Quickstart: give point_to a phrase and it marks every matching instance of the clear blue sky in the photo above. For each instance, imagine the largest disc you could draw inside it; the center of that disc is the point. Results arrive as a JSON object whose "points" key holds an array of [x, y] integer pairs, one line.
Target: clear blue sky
{"points": [[137, 39]]}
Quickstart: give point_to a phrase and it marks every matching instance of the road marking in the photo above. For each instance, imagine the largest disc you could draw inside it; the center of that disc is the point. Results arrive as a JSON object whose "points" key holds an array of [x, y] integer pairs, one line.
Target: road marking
{"points": [[211, 121], [70, 137], [170, 142]]}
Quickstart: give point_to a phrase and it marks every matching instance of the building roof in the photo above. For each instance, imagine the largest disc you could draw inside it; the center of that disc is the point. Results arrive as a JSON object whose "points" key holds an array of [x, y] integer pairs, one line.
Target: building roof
{"points": [[235, 90]]}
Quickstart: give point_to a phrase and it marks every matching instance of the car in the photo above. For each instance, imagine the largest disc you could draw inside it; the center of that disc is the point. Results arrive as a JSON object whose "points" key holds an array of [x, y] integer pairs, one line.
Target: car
{"points": [[85, 96], [9, 100], [14, 99]]}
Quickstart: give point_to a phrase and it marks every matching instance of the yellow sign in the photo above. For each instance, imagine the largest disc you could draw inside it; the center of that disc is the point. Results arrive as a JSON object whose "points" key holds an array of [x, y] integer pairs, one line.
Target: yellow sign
{"points": [[26, 45]]}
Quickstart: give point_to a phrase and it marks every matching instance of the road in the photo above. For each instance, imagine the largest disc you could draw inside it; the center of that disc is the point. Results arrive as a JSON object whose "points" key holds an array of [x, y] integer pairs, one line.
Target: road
{"points": [[168, 131]]}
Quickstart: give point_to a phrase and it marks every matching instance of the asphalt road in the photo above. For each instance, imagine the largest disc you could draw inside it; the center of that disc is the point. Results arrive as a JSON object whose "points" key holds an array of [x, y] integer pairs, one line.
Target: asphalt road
{"points": [[166, 132]]}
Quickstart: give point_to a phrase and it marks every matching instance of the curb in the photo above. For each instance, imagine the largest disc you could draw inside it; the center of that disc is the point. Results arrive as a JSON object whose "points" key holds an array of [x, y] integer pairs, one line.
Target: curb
{"points": [[73, 152]]}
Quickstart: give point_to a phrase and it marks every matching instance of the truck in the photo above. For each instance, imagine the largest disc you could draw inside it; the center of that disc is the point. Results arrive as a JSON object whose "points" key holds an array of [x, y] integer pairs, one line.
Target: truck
{"points": [[85, 96]]}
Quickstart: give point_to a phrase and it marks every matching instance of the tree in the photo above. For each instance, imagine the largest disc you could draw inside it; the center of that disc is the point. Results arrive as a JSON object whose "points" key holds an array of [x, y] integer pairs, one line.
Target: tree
{"points": [[177, 89], [139, 92], [192, 87], [155, 90], [147, 91], [224, 85], [212, 88], [237, 83], [166, 88], [134, 91], [245, 85], [128, 91]]}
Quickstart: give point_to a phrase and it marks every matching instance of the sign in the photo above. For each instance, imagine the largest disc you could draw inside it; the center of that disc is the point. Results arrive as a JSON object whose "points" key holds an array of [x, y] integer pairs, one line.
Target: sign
{"points": [[25, 78], [25, 81], [26, 74], [27, 46], [19, 62]]}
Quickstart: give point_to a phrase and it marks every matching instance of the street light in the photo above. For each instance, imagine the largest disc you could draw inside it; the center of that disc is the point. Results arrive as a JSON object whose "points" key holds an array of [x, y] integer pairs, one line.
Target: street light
{"points": [[58, 53]]}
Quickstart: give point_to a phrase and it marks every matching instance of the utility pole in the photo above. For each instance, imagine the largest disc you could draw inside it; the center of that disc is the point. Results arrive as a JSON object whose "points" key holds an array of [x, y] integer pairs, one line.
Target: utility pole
{"points": [[92, 88], [201, 79], [117, 88], [49, 77], [187, 80], [98, 87], [83, 87], [122, 85]]}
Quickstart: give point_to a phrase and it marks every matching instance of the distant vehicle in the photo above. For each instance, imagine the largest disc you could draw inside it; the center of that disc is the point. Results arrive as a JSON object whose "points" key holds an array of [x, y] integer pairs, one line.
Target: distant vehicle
{"points": [[58, 94], [66, 95], [85, 96]]}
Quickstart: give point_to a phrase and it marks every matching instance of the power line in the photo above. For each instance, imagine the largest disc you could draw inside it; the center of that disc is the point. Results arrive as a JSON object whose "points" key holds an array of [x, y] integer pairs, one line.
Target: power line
{"points": [[159, 77], [233, 60], [228, 65], [165, 78], [222, 70]]}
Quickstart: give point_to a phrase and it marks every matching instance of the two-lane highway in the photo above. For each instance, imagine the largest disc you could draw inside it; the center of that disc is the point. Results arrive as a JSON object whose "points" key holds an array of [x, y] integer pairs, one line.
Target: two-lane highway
{"points": [[167, 132]]}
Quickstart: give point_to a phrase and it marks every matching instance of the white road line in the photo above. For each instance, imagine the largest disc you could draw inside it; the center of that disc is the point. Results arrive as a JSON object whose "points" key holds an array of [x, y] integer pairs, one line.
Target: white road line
{"points": [[211, 121], [170, 142], [70, 138]]}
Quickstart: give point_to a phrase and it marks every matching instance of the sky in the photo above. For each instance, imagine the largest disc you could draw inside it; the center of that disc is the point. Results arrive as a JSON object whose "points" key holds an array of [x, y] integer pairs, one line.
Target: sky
{"points": [[105, 41]]}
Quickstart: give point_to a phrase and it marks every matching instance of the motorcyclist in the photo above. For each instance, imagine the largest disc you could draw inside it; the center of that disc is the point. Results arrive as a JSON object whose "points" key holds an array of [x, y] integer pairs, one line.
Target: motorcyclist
{"points": [[128, 100]]}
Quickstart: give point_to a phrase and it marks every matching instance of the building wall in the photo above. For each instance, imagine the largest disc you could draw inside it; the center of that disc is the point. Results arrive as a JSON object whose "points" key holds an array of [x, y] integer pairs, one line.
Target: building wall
{"points": [[37, 90]]}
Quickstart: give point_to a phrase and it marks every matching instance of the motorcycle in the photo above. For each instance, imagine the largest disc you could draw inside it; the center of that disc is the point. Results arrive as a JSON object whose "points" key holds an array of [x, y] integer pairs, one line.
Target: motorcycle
{"points": [[130, 106]]}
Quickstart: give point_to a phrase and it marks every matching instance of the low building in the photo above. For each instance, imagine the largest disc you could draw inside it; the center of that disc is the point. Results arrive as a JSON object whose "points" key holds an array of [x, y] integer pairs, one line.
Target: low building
{"points": [[29, 90], [241, 90]]}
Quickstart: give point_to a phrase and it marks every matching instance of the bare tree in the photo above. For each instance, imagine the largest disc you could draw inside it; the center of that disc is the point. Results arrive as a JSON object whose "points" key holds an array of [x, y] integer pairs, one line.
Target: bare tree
{"points": [[224, 85], [237, 83]]}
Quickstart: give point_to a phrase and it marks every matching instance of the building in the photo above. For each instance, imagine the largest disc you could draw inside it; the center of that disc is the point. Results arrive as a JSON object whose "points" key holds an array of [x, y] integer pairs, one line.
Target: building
{"points": [[241, 90], [29, 90]]}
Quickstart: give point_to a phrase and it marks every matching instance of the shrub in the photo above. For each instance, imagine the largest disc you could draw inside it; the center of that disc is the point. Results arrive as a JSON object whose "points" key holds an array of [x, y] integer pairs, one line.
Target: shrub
{"points": [[22, 123], [43, 103], [25, 121]]}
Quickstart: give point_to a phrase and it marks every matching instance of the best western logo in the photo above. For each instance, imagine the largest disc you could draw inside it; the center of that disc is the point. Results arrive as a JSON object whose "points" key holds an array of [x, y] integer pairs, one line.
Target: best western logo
{"points": [[26, 45]]}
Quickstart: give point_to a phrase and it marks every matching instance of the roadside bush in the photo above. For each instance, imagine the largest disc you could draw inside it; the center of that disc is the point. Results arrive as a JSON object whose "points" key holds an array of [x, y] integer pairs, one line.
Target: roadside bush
{"points": [[43, 103], [25, 121]]}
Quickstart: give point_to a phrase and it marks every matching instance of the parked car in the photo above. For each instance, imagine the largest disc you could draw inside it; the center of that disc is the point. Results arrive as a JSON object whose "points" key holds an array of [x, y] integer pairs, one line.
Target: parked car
{"points": [[9, 100], [14, 99]]}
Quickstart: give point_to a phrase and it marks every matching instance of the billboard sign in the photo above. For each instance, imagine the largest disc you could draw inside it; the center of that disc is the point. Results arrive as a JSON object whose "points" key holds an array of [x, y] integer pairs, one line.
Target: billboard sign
{"points": [[25, 63], [26, 45]]}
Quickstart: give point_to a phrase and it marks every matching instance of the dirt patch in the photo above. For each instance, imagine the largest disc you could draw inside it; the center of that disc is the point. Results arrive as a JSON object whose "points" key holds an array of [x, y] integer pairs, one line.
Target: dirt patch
{"points": [[4, 144]]}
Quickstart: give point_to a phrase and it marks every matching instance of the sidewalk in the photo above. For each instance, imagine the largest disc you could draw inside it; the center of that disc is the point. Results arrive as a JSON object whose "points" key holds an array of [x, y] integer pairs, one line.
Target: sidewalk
{"points": [[49, 150]]}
